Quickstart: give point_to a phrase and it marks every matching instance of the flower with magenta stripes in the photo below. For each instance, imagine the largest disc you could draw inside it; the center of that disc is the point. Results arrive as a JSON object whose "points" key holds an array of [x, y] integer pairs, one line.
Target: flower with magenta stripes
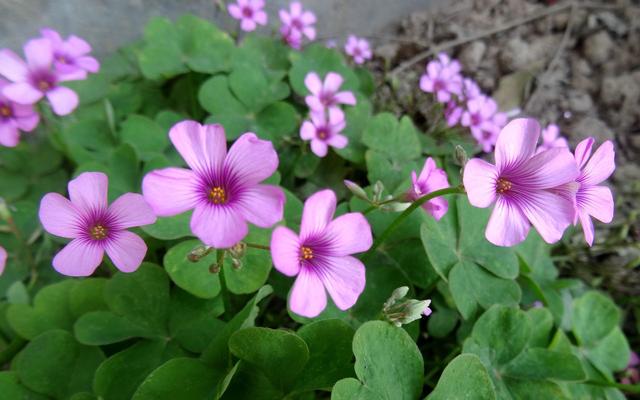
{"points": [[70, 55], [250, 13], [14, 118], [327, 94]]}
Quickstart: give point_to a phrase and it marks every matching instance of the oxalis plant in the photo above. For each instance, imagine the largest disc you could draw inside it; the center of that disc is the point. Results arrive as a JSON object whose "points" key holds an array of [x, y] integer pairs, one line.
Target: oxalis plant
{"points": [[203, 215]]}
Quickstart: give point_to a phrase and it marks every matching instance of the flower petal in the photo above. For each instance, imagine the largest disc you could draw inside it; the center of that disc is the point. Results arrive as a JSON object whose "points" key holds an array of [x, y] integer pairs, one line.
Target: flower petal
{"points": [[38, 53], [308, 297], [507, 225], [260, 17], [344, 279], [319, 147], [600, 166], [3, 259], [130, 210], [78, 46], [437, 207], [285, 251], [170, 191], [345, 98], [247, 25], [317, 213], [587, 227], [262, 205], [22, 93], [78, 258], [88, 63], [235, 11], [28, 123], [12, 66], [338, 141], [63, 100], [9, 134], [597, 201], [307, 131], [202, 147], [547, 169], [517, 142], [583, 151], [480, 182], [548, 212], [349, 234], [89, 191], [126, 250], [251, 160], [59, 216], [313, 83], [332, 82], [219, 227]]}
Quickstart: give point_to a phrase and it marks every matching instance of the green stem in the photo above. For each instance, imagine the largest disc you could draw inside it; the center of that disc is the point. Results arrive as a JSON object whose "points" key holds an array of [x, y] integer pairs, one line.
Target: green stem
{"points": [[258, 246], [14, 347], [226, 300], [621, 386], [405, 214], [382, 203]]}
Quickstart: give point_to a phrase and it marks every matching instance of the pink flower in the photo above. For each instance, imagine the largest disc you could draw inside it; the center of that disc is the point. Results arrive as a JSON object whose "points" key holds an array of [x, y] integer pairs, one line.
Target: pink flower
{"points": [[526, 188], [36, 78], [358, 48], [94, 226], [3, 259], [326, 95], [592, 199], [320, 256], [250, 13], [634, 360], [71, 55], [551, 138], [484, 120], [324, 133], [427, 311], [442, 78], [470, 89], [431, 179], [453, 113], [297, 23], [223, 188], [14, 118]]}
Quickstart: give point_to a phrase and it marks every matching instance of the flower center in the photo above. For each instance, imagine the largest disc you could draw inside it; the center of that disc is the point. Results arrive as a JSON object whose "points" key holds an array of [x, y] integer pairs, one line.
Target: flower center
{"points": [[439, 85], [5, 111], [475, 119], [297, 23], [62, 59], [98, 232], [322, 133], [43, 85], [247, 12], [503, 186], [486, 135], [306, 253], [217, 195]]}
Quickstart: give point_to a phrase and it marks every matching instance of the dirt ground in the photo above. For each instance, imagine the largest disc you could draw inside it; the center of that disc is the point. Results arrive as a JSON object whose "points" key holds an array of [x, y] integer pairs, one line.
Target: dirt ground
{"points": [[576, 64]]}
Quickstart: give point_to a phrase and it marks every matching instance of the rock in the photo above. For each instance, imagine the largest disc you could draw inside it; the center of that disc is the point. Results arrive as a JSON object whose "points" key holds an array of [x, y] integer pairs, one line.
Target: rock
{"points": [[388, 51], [471, 56], [598, 47], [590, 127], [613, 23], [580, 101], [519, 54]]}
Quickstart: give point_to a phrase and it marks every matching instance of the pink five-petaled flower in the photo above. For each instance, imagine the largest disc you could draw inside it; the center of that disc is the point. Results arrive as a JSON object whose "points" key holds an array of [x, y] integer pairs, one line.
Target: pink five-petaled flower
{"points": [[71, 55], [526, 188], [223, 188], [431, 179], [94, 226], [250, 13], [358, 48], [324, 132], [484, 120], [551, 138], [297, 23], [442, 78], [36, 78], [325, 94], [592, 199], [3, 259], [14, 118], [321, 256]]}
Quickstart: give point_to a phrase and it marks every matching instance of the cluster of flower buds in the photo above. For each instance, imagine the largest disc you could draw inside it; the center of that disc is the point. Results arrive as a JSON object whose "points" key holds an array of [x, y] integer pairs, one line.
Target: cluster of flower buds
{"points": [[400, 311]]}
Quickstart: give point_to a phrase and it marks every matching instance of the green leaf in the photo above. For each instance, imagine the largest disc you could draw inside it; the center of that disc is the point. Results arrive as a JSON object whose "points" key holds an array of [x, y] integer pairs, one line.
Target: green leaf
{"points": [[170, 228], [357, 119], [193, 322], [537, 363], [87, 295], [118, 377], [11, 388], [594, 317], [464, 378], [145, 135], [217, 352], [611, 353], [541, 326], [534, 390], [55, 364], [179, 378], [205, 48], [395, 174], [352, 389], [317, 58], [250, 84], [50, 310], [161, 57], [194, 277], [441, 322], [437, 238], [104, 327], [215, 97], [256, 265], [278, 354], [397, 140], [329, 343], [276, 121], [124, 174], [388, 361]]}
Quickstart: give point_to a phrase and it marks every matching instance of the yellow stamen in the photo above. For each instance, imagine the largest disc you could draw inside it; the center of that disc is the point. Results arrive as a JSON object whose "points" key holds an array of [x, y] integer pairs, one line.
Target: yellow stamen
{"points": [[503, 185], [98, 232], [44, 86], [5, 111], [217, 195], [306, 253]]}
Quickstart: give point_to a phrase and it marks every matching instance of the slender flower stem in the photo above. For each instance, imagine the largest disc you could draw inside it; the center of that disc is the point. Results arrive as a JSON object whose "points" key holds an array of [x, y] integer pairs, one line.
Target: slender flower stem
{"points": [[11, 350], [405, 214], [258, 246], [621, 386], [375, 206]]}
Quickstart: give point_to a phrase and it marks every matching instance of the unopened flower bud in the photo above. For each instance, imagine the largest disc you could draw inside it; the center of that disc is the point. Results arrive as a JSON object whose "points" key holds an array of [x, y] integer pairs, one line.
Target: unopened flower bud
{"points": [[236, 263], [356, 190], [238, 250], [214, 268], [378, 188], [461, 156], [401, 312], [199, 253]]}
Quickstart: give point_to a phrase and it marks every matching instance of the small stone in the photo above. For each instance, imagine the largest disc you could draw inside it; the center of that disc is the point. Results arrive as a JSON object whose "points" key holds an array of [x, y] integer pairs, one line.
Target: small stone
{"points": [[580, 101], [471, 56], [598, 47], [519, 54], [590, 127], [388, 51]]}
